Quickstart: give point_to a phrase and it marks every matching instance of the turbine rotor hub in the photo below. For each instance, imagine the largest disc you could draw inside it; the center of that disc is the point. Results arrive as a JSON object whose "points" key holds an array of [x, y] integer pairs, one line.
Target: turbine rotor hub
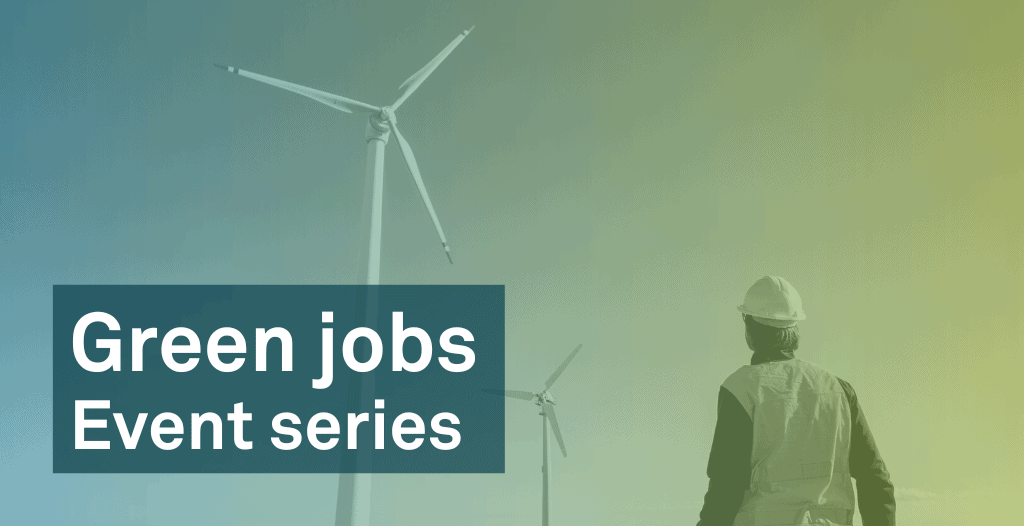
{"points": [[378, 128]]}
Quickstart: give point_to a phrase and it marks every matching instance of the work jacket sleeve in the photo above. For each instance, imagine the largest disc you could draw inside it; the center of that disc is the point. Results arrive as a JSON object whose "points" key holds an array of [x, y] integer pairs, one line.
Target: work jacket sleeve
{"points": [[875, 494], [729, 463]]}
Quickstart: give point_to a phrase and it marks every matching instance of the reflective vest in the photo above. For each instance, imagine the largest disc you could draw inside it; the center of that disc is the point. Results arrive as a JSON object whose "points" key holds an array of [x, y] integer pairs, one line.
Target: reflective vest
{"points": [[800, 462]]}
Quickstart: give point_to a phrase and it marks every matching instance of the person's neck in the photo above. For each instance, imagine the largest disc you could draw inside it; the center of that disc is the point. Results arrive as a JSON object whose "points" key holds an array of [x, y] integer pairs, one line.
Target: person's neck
{"points": [[773, 355]]}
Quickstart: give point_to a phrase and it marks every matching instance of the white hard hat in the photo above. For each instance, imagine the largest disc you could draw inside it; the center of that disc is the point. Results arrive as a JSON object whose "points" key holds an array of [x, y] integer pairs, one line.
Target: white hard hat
{"points": [[772, 301]]}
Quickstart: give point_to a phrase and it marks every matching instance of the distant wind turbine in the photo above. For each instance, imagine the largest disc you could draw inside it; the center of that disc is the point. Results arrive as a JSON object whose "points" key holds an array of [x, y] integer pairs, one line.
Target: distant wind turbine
{"points": [[353, 505], [546, 402]]}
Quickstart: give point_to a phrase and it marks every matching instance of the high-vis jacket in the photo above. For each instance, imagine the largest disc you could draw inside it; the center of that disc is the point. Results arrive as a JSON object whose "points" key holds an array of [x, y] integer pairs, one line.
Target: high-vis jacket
{"points": [[789, 437]]}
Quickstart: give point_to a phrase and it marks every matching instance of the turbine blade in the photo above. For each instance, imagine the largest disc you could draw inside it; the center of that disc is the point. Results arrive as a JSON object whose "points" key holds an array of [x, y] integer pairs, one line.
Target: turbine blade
{"points": [[335, 101], [558, 372], [549, 410], [414, 169], [522, 395], [412, 83]]}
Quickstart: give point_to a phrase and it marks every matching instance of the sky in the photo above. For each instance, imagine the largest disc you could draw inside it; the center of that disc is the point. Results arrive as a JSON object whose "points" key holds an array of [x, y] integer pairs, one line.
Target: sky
{"points": [[625, 169]]}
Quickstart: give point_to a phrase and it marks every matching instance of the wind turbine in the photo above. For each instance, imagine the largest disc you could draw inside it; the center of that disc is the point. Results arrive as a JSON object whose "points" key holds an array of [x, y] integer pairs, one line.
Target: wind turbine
{"points": [[546, 402], [353, 504], [382, 122]]}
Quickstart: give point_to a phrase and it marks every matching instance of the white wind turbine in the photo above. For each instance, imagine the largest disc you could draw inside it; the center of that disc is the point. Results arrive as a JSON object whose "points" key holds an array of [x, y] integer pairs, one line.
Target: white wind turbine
{"points": [[382, 123], [546, 402], [353, 505]]}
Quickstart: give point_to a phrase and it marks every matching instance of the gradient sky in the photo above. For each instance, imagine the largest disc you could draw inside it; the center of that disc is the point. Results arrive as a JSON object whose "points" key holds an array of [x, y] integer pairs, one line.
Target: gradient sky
{"points": [[626, 169]]}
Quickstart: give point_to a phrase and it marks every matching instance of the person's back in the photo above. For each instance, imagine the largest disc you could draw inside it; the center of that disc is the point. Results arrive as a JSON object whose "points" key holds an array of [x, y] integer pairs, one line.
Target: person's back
{"points": [[790, 434], [801, 444]]}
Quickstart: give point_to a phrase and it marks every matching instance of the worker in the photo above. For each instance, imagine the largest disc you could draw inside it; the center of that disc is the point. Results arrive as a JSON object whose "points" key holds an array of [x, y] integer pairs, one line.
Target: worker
{"points": [[790, 435]]}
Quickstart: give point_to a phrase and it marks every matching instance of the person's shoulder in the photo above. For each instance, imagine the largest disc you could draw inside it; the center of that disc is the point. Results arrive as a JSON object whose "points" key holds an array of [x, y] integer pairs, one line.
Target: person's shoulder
{"points": [[742, 372], [739, 385], [740, 376], [813, 367], [824, 373]]}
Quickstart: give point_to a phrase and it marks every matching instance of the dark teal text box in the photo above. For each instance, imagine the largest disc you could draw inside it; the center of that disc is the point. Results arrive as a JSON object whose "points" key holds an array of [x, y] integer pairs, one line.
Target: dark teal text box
{"points": [[204, 309]]}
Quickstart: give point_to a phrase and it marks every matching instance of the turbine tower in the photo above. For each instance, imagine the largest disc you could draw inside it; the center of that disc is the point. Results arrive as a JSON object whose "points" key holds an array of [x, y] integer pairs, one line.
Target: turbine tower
{"points": [[546, 402], [353, 504]]}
